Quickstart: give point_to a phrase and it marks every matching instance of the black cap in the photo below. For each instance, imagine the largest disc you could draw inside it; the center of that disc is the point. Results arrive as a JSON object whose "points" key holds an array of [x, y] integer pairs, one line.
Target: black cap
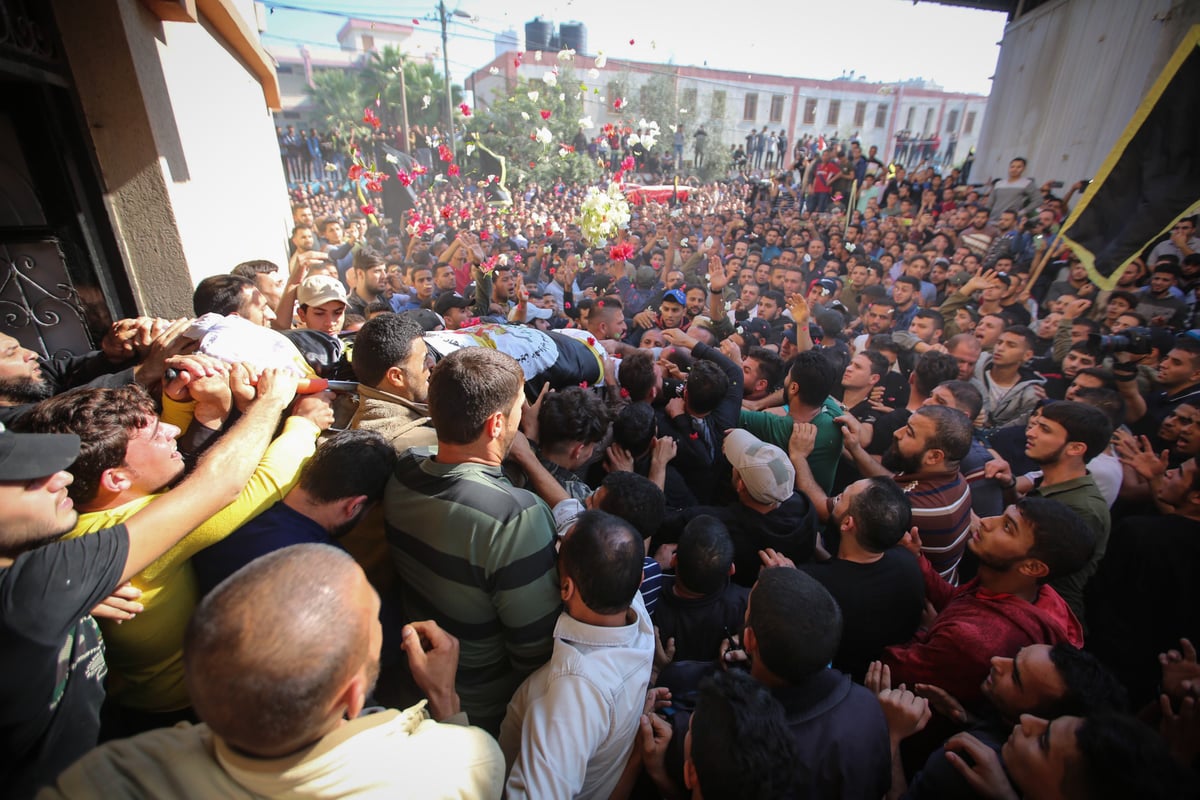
{"points": [[754, 326], [424, 317], [25, 456], [449, 300]]}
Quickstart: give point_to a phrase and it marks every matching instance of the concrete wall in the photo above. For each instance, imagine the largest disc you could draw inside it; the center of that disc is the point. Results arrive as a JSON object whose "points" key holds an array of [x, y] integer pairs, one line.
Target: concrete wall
{"points": [[1070, 76], [185, 145]]}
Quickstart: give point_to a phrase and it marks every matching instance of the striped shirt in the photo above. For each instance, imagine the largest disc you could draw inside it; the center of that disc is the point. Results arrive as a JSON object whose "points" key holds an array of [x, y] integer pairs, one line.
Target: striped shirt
{"points": [[476, 555], [941, 511]]}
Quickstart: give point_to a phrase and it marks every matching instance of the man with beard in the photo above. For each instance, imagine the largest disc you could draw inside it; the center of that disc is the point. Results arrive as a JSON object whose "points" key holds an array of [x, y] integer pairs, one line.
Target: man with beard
{"points": [[1007, 605], [291, 719], [26, 378], [471, 550], [345, 477], [924, 459], [369, 276], [1062, 437], [392, 364]]}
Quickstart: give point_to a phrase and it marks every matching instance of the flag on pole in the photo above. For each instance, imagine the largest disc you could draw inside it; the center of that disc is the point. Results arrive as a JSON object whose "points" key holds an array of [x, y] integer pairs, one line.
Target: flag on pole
{"points": [[1151, 177]]}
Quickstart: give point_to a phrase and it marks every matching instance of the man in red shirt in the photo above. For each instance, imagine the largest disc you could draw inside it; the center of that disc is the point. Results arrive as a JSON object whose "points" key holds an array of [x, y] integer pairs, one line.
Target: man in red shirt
{"points": [[1006, 607], [824, 174]]}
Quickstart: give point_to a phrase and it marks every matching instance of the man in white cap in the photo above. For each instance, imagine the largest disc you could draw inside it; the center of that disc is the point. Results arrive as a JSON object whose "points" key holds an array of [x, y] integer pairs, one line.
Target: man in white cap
{"points": [[323, 304], [769, 512]]}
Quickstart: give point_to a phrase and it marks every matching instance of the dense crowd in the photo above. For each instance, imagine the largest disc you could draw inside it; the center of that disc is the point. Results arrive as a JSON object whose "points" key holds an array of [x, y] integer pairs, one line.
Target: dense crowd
{"points": [[832, 480]]}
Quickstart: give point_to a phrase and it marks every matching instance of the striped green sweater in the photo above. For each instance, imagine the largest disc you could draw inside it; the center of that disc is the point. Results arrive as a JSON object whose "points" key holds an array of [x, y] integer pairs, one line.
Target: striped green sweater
{"points": [[476, 555]]}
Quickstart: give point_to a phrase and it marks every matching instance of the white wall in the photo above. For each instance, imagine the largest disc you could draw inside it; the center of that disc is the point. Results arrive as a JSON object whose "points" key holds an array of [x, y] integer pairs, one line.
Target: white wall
{"points": [[1070, 76]]}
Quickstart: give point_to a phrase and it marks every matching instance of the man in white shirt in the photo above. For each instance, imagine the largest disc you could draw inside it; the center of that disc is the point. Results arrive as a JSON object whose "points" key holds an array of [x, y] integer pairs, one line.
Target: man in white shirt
{"points": [[571, 725]]}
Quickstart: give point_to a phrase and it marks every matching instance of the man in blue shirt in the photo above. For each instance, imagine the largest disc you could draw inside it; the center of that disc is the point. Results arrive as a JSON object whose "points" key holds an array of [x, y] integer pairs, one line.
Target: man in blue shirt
{"points": [[345, 477]]}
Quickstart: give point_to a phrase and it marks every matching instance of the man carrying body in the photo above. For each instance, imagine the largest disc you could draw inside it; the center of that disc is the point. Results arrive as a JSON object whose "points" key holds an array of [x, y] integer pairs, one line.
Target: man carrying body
{"points": [[454, 514], [51, 716], [392, 364]]}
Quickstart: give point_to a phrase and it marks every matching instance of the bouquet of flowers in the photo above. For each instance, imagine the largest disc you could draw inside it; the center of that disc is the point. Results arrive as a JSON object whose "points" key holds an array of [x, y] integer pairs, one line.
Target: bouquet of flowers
{"points": [[603, 213]]}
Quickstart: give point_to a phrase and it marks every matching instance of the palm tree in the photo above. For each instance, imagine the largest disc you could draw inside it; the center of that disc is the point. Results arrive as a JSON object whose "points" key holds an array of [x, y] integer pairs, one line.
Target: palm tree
{"points": [[338, 99], [381, 79]]}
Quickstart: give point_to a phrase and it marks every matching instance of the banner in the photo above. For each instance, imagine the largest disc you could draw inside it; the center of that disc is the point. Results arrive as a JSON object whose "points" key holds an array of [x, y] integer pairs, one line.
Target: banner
{"points": [[1150, 179]]}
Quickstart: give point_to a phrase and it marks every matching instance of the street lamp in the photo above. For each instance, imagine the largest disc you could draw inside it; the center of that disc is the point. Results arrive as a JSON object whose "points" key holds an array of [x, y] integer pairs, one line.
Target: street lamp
{"points": [[442, 13]]}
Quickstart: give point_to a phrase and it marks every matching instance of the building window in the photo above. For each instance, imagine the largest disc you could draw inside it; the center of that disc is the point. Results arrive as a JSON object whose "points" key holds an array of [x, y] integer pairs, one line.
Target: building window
{"points": [[881, 113], [810, 112], [912, 114], [750, 109], [777, 108], [928, 121], [368, 42], [860, 114], [835, 111], [284, 69], [718, 105], [970, 123], [952, 121], [689, 100]]}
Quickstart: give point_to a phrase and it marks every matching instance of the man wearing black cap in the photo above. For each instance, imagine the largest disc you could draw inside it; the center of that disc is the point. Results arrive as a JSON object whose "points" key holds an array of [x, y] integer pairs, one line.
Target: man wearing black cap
{"points": [[48, 586], [452, 308]]}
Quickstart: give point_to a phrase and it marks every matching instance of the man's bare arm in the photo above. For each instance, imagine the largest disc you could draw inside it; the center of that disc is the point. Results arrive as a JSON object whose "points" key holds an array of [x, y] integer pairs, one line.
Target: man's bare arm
{"points": [[216, 481]]}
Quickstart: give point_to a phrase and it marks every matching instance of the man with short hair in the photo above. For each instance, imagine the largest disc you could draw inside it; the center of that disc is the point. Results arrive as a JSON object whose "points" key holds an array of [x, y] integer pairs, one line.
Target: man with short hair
{"points": [[1178, 381], [453, 308], [923, 459], [1062, 438], [1007, 606], [987, 493], [471, 550], [762, 370], [129, 458], [966, 350], [877, 585], [232, 295], [392, 364], [290, 719], [571, 725], [51, 716], [267, 277], [1009, 387], [369, 278], [344, 478], [570, 423]]}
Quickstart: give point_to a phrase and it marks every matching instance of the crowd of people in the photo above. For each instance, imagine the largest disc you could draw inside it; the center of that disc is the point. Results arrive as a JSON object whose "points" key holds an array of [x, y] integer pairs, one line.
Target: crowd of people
{"points": [[844, 483]]}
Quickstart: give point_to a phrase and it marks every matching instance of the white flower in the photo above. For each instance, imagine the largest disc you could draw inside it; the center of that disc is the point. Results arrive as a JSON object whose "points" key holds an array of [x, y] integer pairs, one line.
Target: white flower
{"points": [[601, 59], [683, 111], [537, 56], [425, 100], [562, 97], [533, 96], [648, 140], [525, 116], [550, 79], [566, 55], [564, 151], [493, 70], [544, 136], [593, 73], [586, 123], [634, 139], [470, 149], [391, 159], [333, 167]]}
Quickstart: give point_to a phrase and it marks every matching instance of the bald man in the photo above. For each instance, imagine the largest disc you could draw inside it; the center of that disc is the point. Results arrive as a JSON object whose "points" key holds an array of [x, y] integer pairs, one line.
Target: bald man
{"points": [[280, 659]]}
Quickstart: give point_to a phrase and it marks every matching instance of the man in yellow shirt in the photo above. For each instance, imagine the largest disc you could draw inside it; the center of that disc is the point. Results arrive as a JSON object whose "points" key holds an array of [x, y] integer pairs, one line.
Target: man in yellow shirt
{"points": [[128, 457]]}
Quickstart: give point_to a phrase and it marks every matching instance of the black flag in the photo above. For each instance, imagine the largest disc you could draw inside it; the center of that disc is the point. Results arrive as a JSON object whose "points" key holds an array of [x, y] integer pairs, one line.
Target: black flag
{"points": [[1149, 180]]}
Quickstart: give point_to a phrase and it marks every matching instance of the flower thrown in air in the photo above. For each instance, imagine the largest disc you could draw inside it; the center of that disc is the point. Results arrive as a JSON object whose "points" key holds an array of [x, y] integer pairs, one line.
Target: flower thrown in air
{"points": [[546, 113], [465, 109]]}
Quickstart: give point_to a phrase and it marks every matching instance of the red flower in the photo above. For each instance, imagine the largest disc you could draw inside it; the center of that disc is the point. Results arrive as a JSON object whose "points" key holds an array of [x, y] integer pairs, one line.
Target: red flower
{"points": [[375, 186], [583, 384], [631, 41], [416, 21], [693, 436], [628, 164], [484, 236], [532, 164], [452, 170], [464, 213], [370, 118], [368, 210], [444, 153], [566, 305], [517, 258], [545, 112], [621, 252], [624, 393], [419, 170], [405, 178], [465, 109], [447, 213], [355, 172], [591, 341], [620, 101]]}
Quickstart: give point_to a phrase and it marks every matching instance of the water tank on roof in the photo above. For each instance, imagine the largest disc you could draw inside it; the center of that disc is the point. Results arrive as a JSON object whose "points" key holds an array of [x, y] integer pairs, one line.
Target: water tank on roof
{"points": [[538, 34], [573, 36]]}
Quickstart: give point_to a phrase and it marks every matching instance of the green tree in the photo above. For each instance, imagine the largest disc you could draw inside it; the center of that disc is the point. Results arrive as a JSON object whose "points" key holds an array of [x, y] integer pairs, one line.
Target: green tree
{"points": [[338, 99], [507, 127]]}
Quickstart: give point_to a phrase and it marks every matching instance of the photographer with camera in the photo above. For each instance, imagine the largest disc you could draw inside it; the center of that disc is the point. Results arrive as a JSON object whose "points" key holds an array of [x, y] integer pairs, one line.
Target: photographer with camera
{"points": [[1178, 375]]}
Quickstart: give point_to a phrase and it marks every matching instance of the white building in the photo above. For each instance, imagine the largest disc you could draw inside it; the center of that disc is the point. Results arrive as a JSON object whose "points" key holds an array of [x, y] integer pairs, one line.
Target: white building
{"points": [[743, 102]]}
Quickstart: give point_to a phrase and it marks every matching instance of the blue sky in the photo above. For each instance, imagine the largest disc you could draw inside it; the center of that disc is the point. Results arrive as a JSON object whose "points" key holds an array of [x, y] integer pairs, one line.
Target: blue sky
{"points": [[884, 40]]}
